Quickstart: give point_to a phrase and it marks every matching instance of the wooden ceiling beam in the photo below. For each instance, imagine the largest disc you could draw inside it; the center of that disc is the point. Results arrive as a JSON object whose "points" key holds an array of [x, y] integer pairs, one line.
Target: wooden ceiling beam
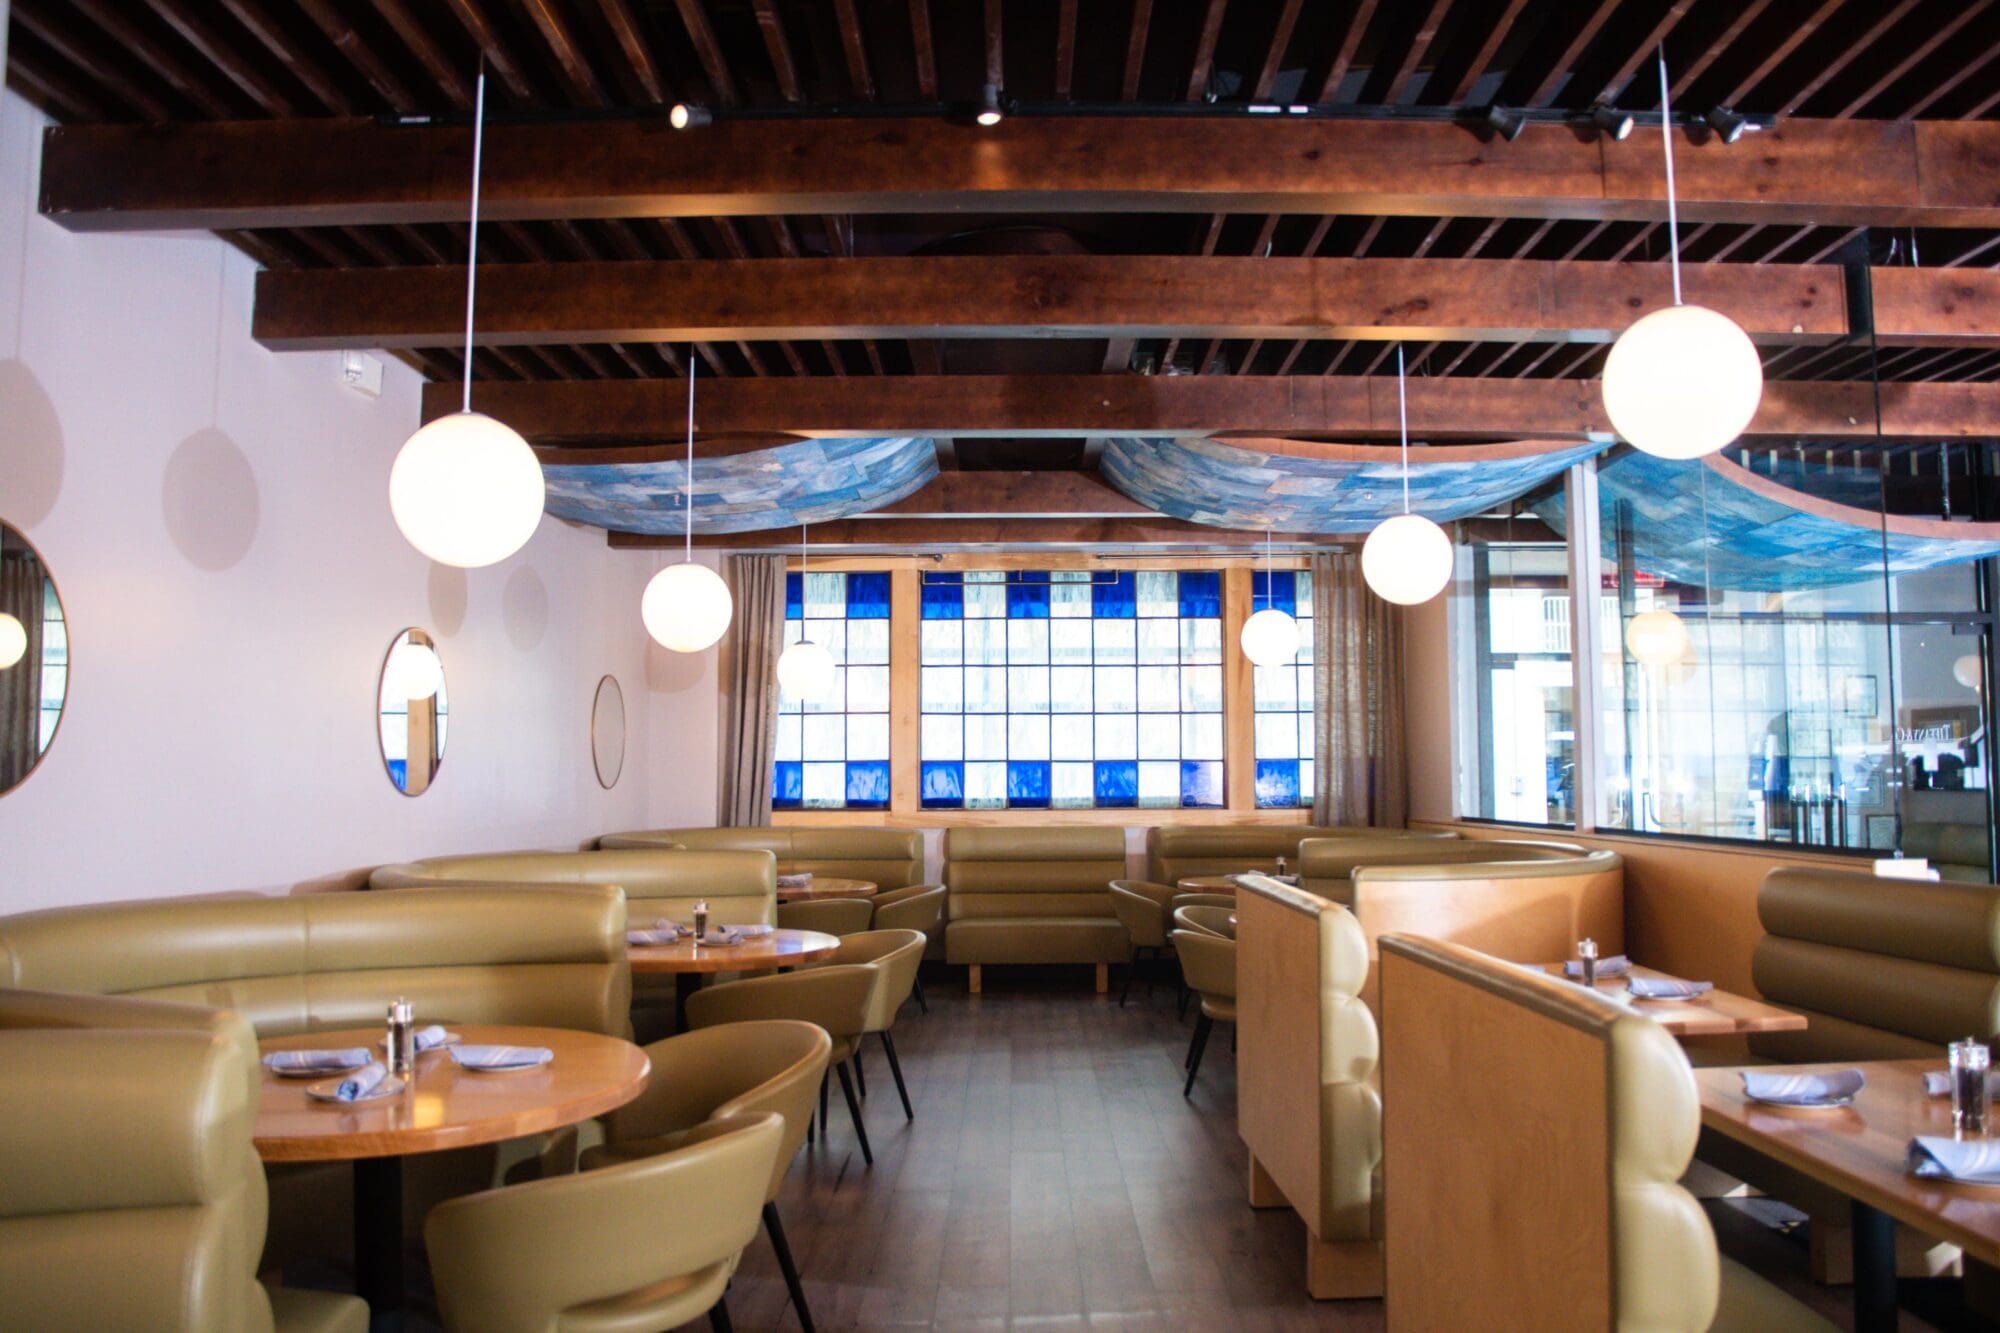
{"points": [[623, 412], [335, 171]]}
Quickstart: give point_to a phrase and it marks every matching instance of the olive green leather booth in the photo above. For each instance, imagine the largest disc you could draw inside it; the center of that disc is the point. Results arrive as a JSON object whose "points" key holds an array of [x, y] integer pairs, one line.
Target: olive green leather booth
{"points": [[1956, 851], [1033, 895], [130, 1194], [887, 858], [1177, 853], [740, 886]]}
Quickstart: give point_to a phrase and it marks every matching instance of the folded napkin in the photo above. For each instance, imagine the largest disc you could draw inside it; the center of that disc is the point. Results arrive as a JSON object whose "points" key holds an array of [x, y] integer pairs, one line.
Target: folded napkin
{"points": [[361, 1082], [664, 933], [1937, 1083], [1802, 1089], [723, 935], [432, 1037], [802, 880], [501, 1057], [752, 931], [316, 1062], [1667, 988], [1617, 965], [1974, 1161]]}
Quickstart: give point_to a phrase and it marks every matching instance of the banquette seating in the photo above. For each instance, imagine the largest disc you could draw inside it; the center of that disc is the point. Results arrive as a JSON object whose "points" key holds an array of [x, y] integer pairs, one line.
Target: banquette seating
{"points": [[1033, 895], [739, 886], [1955, 851], [889, 858], [1174, 854]]}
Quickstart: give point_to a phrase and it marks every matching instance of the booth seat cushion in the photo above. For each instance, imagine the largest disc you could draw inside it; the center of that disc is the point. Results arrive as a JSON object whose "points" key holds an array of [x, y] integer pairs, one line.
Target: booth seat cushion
{"points": [[1037, 939], [739, 886], [1327, 864], [1177, 853], [888, 858], [1034, 895]]}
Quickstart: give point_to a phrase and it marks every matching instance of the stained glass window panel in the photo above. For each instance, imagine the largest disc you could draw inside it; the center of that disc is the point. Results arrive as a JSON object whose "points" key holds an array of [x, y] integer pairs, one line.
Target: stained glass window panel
{"points": [[833, 751], [1282, 698]]}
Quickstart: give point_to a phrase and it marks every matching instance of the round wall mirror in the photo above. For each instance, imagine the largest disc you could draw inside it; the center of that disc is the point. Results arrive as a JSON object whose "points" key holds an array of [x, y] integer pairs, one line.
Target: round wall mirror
{"points": [[413, 710], [607, 732], [34, 659]]}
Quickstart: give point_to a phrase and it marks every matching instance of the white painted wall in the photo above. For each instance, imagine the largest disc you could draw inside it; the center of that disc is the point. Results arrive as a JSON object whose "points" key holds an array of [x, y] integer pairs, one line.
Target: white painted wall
{"points": [[216, 519]]}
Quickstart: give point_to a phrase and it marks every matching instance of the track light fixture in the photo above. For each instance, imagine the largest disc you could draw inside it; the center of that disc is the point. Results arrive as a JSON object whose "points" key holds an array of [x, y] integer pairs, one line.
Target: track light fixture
{"points": [[1613, 124], [990, 112], [1730, 124], [688, 116], [1505, 122]]}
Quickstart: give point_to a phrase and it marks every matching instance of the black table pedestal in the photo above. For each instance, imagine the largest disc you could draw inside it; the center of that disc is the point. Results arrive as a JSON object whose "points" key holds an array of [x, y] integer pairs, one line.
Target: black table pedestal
{"points": [[378, 1240], [1874, 1269]]}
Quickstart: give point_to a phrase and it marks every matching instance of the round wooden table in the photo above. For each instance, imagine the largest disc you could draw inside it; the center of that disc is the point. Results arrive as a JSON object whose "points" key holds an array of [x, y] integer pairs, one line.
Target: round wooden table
{"points": [[688, 962], [443, 1107], [827, 886], [1208, 884]]}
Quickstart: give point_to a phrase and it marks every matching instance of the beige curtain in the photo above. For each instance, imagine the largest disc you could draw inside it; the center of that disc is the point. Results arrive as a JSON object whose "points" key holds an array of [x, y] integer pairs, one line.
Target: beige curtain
{"points": [[1359, 756], [22, 580], [750, 689]]}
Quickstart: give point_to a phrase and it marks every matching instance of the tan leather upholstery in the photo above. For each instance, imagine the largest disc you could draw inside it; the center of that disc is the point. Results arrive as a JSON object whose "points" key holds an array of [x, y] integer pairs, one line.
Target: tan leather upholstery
{"points": [[739, 886], [1208, 961], [918, 907], [1206, 919], [1142, 908], [1955, 851], [1580, 1070], [835, 998], [1175, 853], [889, 858], [894, 956], [1226, 901], [1034, 895], [130, 1194], [646, 1244], [1327, 864], [834, 916]]}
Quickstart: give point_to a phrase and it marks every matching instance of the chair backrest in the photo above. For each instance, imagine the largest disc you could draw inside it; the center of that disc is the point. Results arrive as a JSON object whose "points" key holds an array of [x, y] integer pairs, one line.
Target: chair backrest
{"points": [[1226, 901], [1208, 961], [1534, 1139], [836, 998], [1305, 1058], [552, 957], [1174, 853], [589, 1245], [895, 956], [1883, 968], [918, 907], [890, 858], [1207, 919], [130, 1194], [1030, 871], [739, 886], [1142, 908], [834, 916]]}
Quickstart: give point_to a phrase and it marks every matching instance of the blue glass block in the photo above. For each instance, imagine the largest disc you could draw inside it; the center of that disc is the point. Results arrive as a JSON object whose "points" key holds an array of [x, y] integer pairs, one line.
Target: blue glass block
{"points": [[795, 596], [1201, 592], [1277, 784], [1275, 590], [943, 597], [868, 596], [1116, 598], [788, 786], [868, 785], [1117, 784], [1026, 600], [1201, 781], [1028, 785], [942, 786], [399, 773]]}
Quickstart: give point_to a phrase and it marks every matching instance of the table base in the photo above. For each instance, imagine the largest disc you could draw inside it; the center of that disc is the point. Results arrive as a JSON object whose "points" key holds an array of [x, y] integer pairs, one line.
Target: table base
{"points": [[1874, 1270], [378, 1240]]}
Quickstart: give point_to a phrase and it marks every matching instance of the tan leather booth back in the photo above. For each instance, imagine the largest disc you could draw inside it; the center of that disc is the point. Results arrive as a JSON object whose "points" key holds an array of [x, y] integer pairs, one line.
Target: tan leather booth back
{"points": [[889, 858], [739, 886], [1041, 872], [552, 957], [135, 1201], [1177, 853], [1586, 1118], [1882, 968], [1958, 851], [1327, 864]]}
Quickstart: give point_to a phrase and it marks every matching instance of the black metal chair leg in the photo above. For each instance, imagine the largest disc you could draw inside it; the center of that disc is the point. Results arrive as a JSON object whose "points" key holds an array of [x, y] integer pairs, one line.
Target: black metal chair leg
{"points": [[896, 1071], [718, 1317], [854, 1113], [1194, 1040], [1181, 1003], [776, 1229], [1201, 1030], [917, 989], [1131, 966], [860, 1079], [822, 1103]]}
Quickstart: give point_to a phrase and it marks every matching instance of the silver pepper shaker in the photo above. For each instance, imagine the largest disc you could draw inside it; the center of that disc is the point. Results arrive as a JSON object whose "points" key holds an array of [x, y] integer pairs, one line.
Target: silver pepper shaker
{"points": [[1586, 953], [700, 919], [402, 1039], [1281, 867]]}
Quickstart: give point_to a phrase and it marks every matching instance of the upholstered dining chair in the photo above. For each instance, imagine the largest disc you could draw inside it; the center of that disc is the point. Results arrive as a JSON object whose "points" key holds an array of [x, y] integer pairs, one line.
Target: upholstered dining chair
{"points": [[1226, 901], [895, 956], [835, 998], [835, 916], [1208, 960], [1142, 908], [650, 1243], [717, 1073], [919, 907], [1207, 918]]}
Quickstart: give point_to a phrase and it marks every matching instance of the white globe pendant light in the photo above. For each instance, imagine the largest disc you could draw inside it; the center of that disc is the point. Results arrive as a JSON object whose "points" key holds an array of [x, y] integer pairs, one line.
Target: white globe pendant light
{"points": [[1656, 638], [687, 607], [414, 671], [466, 489], [805, 668], [1965, 670], [1407, 558], [1685, 381], [1270, 637], [13, 641]]}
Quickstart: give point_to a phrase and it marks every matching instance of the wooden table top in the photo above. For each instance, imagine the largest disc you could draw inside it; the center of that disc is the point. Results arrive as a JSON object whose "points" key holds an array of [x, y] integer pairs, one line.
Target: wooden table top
{"points": [[828, 886], [780, 948], [1207, 884], [445, 1106], [1859, 1149], [1716, 1014]]}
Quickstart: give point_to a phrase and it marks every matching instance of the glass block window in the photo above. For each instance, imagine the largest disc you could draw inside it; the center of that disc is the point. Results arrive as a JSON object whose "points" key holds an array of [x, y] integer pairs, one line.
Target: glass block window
{"points": [[1071, 689], [1283, 698], [833, 753]]}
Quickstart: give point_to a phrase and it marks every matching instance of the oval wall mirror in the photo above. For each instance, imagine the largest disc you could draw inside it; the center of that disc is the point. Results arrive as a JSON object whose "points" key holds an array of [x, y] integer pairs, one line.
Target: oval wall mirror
{"points": [[607, 732], [34, 659], [413, 710]]}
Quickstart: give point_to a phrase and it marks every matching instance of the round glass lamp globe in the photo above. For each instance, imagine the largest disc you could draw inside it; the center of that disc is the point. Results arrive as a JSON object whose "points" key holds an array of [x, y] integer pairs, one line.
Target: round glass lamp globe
{"points": [[1682, 382], [1965, 670], [13, 641], [414, 671], [466, 490], [805, 671], [686, 607], [1270, 638], [1406, 560], [1656, 638]]}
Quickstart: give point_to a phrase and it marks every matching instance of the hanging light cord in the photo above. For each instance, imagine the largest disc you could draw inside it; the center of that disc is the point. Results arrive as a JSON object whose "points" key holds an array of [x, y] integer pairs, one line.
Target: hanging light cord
{"points": [[1270, 592], [1673, 213], [690, 467], [1403, 423], [472, 236]]}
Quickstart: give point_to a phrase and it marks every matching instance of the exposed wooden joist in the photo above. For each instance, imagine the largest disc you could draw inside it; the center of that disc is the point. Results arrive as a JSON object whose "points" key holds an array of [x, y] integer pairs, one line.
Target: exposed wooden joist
{"points": [[348, 171], [630, 411]]}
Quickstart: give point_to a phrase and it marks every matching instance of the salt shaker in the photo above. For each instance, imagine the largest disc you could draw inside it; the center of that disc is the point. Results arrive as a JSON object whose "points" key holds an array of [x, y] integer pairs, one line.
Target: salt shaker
{"points": [[700, 920], [1586, 952], [1281, 867], [402, 1038], [1969, 1062]]}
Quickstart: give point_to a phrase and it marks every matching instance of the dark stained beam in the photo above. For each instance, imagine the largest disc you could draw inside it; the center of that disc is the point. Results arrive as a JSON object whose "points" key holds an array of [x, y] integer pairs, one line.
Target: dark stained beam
{"points": [[628, 412], [349, 171]]}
